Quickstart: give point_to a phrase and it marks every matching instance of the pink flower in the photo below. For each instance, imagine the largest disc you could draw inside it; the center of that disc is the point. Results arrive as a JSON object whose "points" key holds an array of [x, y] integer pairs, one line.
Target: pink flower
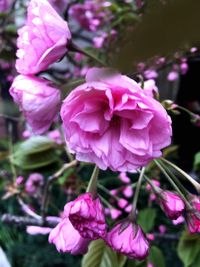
{"points": [[67, 239], [56, 136], [5, 5], [33, 183], [151, 237], [150, 74], [87, 216], [127, 191], [122, 203], [111, 111], [38, 99], [172, 204], [193, 216], [19, 180], [124, 178], [178, 221], [128, 239], [172, 76], [150, 88], [115, 213], [162, 229], [184, 68], [43, 40]]}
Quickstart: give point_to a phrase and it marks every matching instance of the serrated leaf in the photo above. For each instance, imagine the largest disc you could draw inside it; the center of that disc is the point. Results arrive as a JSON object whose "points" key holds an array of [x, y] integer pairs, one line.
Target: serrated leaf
{"points": [[146, 219], [100, 255], [189, 248], [156, 257]]}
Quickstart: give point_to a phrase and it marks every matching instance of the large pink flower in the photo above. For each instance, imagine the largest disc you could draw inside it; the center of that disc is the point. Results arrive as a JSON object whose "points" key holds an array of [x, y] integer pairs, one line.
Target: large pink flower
{"points": [[110, 121], [67, 239], [128, 239], [43, 40], [87, 216], [38, 99]]}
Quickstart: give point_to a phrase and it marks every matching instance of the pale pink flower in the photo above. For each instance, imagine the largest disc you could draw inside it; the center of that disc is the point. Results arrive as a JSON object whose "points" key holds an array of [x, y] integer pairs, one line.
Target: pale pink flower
{"points": [[114, 192], [122, 203], [38, 100], [67, 239], [127, 191], [128, 239], [115, 213], [150, 74], [37, 230], [172, 76], [87, 216], [150, 88], [124, 178], [149, 264], [128, 208], [172, 204], [56, 136], [33, 183], [19, 180], [155, 183], [184, 68], [178, 221], [43, 40], [111, 111], [151, 236]]}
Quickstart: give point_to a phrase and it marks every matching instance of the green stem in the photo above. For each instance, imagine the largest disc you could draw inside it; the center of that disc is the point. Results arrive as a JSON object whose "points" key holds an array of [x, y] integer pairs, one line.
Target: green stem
{"points": [[132, 215], [106, 202], [184, 174], [172, 183], [103, 188], [154, 188], [92, 186], [11, 152]]}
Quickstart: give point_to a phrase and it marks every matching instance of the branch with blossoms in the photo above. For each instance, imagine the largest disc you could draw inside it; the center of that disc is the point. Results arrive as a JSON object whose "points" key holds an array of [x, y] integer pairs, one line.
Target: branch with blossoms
{"points": [[109, 120]]}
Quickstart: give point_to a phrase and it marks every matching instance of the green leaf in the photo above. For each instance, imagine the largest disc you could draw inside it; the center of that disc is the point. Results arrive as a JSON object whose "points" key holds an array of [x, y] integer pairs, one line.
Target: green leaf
{"points": [[100, 255], [156, 257], [197, 161], [189, 248], [146, 219], [36, 152]]}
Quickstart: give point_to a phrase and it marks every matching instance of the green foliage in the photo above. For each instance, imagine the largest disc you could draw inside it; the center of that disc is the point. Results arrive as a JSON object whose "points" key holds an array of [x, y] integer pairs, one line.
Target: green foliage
{"points": [[189, 249], [197, 161], [146, 219], [156, 257], [100, 255], [36, 152]]}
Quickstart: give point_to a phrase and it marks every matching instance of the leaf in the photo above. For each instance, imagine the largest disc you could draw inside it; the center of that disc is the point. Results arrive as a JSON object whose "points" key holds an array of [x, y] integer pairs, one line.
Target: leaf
{"points": [[36, 152], [189, 248], [146, 219], [197, 161], [100, 255], [156, 257], [163, 30]]}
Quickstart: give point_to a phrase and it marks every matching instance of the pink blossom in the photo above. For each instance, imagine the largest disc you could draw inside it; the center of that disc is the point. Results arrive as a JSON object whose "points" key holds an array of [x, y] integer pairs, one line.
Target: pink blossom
{"points": [[124, 178], [129, 240], [150, 74], [184, 68], [37, 230], [150, 88], [149, 264], [114, 192], [87, 216], [172, 204], [172, 76], [33, 183], [128, 208], [193, 49], [19, 180], [115, 213], [127, 191], [151, 237], [155, 183], [111, 110], [122, 203], [193, 216], [5, 5], [38, 99], [162, 229], [67, 239], [56, 136], [43, 40], [178, 221]]}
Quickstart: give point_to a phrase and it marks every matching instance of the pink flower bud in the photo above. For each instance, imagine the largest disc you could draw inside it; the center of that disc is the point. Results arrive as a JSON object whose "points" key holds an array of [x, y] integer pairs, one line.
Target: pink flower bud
{"points": [[115, 213], [162, 229], [172, 76], [87, 216], [150, 74], [127, 191], [33, 183], [193, 216], [19, 180], [178, 221], [151, 237], [43, 40], [67, 239], [172, 204], [38, 99], [128, 239], [124, 178], [122, 203]]}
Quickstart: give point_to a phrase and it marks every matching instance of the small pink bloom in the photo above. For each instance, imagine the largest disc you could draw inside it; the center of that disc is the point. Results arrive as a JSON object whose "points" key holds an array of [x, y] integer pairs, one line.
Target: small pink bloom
{"points": [[56, 136], [184, 68], [37, 230], [155, 182], [150, 74], [114, 192], [20, 180], [150, 264], [178, 221], [172, 204], [128, 208], [43, 40], [162, 229], [87, 216], [127, 191], [124, 178], [33, 183], [67, 239], [38, 99], [172, 76], [111, 110], [150, 88], [122, 203], [128, 239], [115, 213], [151, 237]]}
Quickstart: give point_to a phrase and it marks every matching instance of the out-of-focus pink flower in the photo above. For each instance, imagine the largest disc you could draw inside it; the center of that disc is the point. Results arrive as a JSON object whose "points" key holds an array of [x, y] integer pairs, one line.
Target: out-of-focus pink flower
{"points": [[128, 208], [124, 178], [127, 191], [38, 99], [5, 5], [122, 203], [151, 237], [111, 110], [37, 230], [128, 239], [172, 204], [172, 76], [178, 221], [20, 180], [149, 264], [150, 88], [193, 216], [150, 74], [67, 239], [43, 40], [162, 229], [193, 49], [87, 216], [155, 183], [33, 183], [184, 68], [114, 192], [115, 213], [56, 136]]}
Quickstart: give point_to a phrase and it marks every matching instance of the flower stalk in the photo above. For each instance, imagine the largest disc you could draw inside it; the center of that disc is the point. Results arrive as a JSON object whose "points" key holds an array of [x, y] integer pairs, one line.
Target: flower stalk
{"points": [[92, 186]]}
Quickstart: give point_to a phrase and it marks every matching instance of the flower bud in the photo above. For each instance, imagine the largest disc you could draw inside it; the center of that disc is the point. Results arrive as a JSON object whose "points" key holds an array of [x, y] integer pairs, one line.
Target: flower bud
{"points": [[193, 215], [87, 216], [128, 238]]}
